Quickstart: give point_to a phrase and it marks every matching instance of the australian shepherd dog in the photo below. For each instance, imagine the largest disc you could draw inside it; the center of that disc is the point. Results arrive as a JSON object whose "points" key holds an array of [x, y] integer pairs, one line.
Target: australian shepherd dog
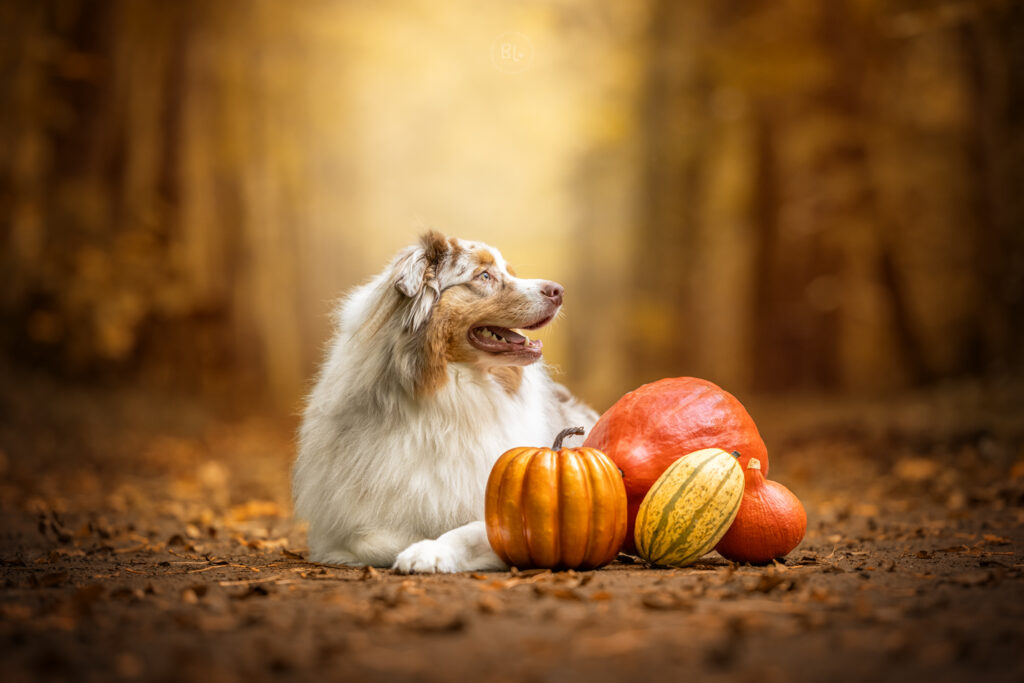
{"points": [[429, 378]]}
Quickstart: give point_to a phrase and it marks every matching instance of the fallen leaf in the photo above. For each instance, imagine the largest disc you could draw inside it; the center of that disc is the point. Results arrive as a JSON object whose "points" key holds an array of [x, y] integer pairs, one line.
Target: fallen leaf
{"points": [[667, 601], [58, 553], [823, 595], [262, 544], [558, 593], [131, 549], [255, 508], [438, 623], [992, 539], [953, 549], [769, 582], [249, 582], [993, 563], [527, 573]]}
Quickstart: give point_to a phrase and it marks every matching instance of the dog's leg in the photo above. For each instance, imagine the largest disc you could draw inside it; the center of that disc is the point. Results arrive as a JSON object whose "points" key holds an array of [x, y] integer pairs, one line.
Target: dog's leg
{"points": [[375, 548], [463, 549]]}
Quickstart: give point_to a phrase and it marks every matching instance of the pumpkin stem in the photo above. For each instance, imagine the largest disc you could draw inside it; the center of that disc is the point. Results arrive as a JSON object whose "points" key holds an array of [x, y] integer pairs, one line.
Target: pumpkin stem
{"points": [[753, 464], [736, 454], [571, 431]]}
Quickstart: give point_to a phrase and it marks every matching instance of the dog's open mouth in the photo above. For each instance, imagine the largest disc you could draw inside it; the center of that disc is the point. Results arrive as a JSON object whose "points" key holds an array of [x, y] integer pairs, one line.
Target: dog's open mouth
{"points": [[494, 339]]}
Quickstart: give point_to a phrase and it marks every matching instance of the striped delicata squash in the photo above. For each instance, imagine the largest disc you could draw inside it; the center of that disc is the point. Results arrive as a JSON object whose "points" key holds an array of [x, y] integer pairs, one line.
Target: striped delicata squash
{"points": [[689, 508]]}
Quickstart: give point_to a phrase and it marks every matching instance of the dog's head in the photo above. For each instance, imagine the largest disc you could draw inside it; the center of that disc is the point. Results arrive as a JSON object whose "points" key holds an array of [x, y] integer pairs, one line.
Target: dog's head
{"points": [[464, 303]]}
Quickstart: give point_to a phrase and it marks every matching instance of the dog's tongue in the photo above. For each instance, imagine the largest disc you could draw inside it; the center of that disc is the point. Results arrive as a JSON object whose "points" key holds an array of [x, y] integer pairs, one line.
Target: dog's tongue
{"points": [[510, 336]]}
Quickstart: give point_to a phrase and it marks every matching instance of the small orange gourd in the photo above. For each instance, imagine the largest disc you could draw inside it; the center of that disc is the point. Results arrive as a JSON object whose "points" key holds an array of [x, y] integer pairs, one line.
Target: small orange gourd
{"points": [[558, 508], [771, 521]]}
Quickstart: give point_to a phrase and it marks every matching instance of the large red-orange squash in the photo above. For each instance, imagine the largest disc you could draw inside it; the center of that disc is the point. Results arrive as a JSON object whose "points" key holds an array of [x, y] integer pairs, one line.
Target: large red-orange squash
{"points": [[650, 428], [559, 508]]}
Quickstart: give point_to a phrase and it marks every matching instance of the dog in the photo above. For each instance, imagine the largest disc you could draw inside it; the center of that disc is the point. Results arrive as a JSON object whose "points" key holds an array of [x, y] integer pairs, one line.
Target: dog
{"points": [[425, 383]]}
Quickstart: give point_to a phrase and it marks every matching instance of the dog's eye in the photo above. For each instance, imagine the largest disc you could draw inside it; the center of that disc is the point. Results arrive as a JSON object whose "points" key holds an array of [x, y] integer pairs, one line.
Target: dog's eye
{"points": [[484, 275]]}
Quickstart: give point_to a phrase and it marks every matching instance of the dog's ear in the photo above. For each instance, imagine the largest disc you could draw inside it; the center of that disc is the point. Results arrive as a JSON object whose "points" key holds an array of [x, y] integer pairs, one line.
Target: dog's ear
{"points": [[416, 276], [411, 268]]}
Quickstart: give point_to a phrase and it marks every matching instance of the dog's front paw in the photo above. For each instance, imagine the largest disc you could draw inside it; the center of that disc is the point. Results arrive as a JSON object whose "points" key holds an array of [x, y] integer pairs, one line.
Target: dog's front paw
{"points": [[427, 557]]}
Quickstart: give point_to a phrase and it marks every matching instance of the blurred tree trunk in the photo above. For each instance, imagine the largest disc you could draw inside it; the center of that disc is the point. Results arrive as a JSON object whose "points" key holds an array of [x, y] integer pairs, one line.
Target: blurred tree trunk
{"points": [[882, 231], [150, 204], [994, 65], [674, 140]]}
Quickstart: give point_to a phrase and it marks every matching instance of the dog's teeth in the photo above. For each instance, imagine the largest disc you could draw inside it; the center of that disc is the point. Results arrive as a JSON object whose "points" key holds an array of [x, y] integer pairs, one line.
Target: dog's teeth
{"points": [[491, 334]]}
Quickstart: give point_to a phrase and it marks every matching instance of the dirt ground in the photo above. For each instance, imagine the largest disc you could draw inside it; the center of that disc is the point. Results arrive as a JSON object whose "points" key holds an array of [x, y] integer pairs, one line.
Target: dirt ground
{"points": [[145, 539]]}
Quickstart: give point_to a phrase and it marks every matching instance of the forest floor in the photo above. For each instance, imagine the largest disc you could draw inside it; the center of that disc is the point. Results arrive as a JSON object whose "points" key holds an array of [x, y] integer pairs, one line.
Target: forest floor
{"points": [[144, 539]]}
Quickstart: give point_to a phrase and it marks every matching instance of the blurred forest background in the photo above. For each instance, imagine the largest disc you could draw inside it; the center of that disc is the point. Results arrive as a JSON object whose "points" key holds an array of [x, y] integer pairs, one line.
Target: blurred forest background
{"points": [[778, 196]]}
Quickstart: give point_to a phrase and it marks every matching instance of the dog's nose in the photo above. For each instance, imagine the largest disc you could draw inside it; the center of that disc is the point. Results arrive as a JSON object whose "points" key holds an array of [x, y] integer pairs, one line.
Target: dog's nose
{"points": [[553, 291]]}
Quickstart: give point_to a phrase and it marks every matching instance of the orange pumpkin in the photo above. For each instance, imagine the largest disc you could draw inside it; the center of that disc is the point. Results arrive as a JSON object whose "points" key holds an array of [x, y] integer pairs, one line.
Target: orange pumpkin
{"points": [[650, 428], [558, 508]]}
